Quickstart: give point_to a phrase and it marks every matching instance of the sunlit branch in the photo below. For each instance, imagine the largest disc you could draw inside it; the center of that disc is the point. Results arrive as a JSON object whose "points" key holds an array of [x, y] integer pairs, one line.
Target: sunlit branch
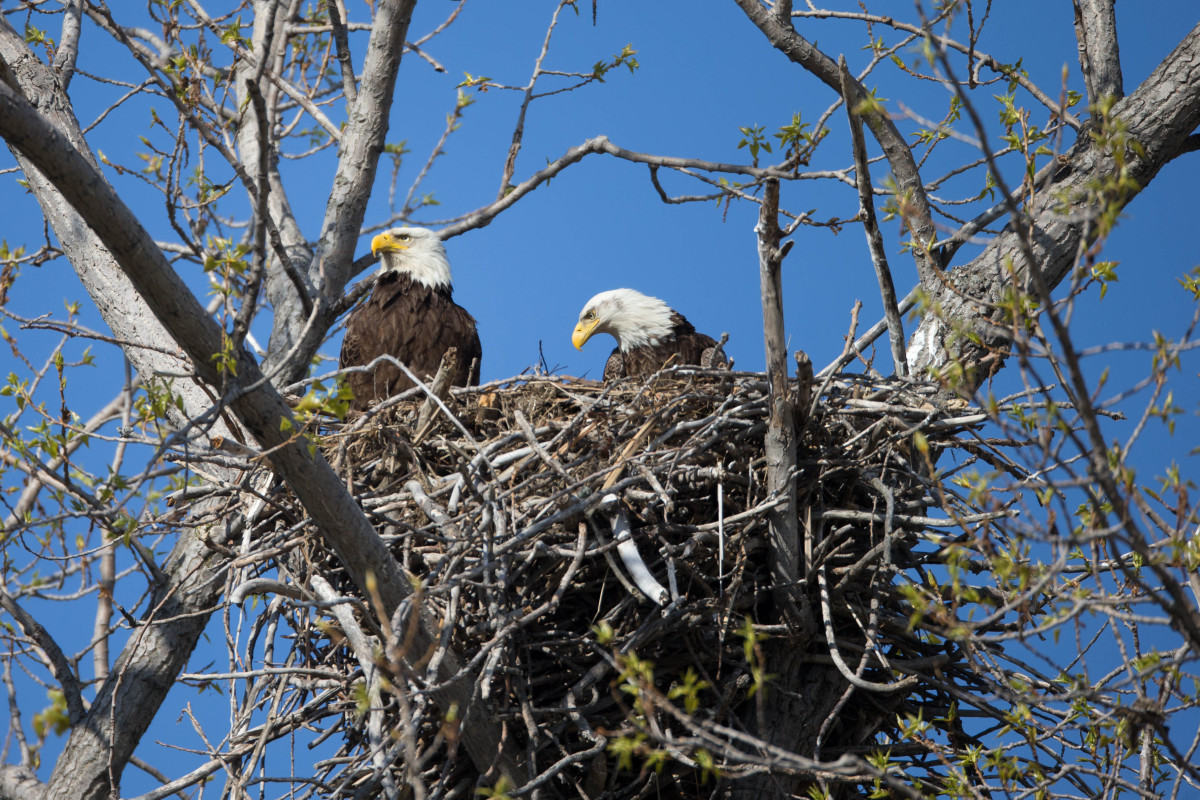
{"points": [[944, 41]]}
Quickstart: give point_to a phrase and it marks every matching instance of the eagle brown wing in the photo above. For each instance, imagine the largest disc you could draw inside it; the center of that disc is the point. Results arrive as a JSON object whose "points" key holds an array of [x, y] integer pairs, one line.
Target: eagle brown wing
{"points": [[414, 323], [614, 368], [686, 347]]}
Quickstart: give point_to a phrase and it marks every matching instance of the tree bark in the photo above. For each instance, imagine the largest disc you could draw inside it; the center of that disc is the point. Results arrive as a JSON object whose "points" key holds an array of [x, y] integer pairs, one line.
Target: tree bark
{"points": [[1160, 116], [1099, 56], [780, 444]]}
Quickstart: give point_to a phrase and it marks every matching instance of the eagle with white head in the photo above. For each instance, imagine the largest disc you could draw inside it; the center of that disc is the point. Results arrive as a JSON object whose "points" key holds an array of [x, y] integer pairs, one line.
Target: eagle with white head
{"points": [[410, 315], [650, 335]]}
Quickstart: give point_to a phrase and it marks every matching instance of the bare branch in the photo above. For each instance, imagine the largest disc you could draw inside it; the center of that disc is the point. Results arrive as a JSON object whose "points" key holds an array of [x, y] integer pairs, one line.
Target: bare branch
{"points": [[68, 44], [54, 655], [510, 163], [1099, 56], [910, 191], [601, 144], [866, 205], [340, 37]]}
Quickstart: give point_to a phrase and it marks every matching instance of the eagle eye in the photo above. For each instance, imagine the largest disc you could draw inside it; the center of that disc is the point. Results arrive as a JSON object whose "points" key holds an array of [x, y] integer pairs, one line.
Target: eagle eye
{"points": [[404, 237]]}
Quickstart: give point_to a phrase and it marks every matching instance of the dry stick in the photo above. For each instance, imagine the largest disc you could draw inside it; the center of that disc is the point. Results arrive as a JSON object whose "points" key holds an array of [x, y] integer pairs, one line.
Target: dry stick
{"points": [[866, 202], [863, 342], [780, 443], [439, 387]]}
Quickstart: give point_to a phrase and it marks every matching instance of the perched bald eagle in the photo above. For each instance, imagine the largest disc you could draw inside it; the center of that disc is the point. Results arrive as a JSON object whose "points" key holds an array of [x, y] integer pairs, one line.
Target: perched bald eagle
{"points": [[650, 335], [410, 315]]}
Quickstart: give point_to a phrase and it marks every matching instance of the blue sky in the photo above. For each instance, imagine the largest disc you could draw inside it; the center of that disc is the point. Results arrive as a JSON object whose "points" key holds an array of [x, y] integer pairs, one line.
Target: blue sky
{"points": [[600, 224], [705, 71]]}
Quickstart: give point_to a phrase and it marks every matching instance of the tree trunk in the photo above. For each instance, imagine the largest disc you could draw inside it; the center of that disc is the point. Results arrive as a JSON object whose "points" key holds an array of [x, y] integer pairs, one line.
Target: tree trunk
{"points": [[1159, 117]]}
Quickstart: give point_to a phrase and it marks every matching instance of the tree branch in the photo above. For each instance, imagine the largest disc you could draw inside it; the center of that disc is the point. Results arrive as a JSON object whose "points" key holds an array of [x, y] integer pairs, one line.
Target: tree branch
{"points": [[59, 666], [1099, 56], [600, 144], [518, 135], [291, 248], [342, 40], [68, 43], [866, 204], [20, 783], [909, 189], [1160, 115], [780, 446], [258, 266], [361, 145], [256, 404]]}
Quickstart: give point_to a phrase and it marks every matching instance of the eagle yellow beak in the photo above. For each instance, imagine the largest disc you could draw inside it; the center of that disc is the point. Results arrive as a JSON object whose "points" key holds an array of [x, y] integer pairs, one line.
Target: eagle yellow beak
{"points": [[385, 243], [583, 332]]}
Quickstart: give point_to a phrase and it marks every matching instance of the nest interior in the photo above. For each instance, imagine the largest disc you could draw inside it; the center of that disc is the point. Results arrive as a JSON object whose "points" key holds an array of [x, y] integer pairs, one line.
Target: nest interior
{"points": [[515, 519]]}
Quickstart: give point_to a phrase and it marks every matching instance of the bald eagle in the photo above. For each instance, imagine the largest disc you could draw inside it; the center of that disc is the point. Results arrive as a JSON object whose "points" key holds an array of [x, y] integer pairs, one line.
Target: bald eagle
{"points": [[410, 315], [650, 335]]}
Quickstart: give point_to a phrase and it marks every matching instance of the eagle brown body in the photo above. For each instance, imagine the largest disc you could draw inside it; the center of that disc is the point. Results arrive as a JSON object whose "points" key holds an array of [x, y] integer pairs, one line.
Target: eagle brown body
{"points": [[685, 347], [650, 335], [410, 315]]}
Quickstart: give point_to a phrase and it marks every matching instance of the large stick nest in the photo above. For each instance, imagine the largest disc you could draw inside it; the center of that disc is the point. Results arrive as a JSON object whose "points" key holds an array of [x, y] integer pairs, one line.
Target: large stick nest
{"points": [[501, 518]]}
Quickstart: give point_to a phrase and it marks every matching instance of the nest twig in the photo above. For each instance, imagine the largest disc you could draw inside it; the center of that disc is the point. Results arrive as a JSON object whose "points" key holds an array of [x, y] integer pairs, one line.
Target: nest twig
{"points": [[502, 521]]}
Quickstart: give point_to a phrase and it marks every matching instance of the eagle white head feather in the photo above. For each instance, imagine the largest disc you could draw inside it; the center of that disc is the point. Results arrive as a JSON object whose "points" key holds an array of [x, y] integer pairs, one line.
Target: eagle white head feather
{"points": [[419, 252], [632, 318]]}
